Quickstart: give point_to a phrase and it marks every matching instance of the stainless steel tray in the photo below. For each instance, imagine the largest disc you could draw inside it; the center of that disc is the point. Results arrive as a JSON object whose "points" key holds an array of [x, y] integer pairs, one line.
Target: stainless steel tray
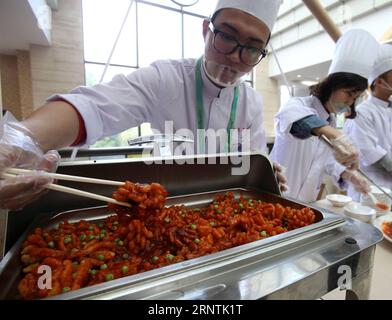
{"points": [[184, 272]]}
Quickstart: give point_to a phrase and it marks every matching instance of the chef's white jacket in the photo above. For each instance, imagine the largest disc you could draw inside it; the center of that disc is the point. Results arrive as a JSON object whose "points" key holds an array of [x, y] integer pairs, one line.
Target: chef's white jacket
{"points": [[371, 131], [164, 91], [305, 160]]}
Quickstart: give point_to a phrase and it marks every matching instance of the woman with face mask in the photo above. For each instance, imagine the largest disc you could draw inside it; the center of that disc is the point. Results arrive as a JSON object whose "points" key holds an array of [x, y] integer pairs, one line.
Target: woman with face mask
{"points": [[302, 120], [371, 130]]}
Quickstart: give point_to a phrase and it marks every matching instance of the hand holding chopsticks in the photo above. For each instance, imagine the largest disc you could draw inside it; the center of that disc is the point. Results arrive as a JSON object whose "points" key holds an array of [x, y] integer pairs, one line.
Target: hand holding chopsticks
{"points": [[14, 171]]}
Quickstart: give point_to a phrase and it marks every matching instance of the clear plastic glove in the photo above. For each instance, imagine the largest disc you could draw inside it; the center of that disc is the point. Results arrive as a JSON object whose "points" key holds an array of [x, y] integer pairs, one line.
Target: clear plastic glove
{"points": [[345, 152], [356, 180], [18, 148], [280, 176]]}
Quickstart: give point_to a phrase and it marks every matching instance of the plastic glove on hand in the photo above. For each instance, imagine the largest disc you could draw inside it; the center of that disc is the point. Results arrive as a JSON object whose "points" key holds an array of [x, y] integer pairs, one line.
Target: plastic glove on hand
{"points": [[357, 181], [345, 152], [18, 148], [280, 176]]}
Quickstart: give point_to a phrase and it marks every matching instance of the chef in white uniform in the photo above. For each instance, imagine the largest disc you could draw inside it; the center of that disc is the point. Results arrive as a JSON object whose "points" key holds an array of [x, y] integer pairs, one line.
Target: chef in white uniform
{"points": [[302, 120], [207, 93], [371, 130]]}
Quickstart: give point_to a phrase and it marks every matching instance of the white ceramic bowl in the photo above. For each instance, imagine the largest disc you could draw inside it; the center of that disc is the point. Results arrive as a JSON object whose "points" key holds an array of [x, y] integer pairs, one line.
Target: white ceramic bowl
{"points": [[360, 212], [338, 200]]}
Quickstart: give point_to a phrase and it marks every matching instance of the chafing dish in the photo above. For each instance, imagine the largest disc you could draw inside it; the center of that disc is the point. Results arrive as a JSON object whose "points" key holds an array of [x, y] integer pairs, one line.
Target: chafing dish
{"points": [[304, 263]]}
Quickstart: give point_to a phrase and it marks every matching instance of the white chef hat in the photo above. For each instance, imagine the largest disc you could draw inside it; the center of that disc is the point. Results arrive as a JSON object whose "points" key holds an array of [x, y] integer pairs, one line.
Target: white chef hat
{"points": [[264, 10], [383, 62], [355, 53]]}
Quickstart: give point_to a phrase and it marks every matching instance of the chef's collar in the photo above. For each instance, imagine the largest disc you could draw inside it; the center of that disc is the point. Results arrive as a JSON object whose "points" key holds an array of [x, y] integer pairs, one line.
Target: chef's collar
{"points": [[379, 102], [323, 113]]}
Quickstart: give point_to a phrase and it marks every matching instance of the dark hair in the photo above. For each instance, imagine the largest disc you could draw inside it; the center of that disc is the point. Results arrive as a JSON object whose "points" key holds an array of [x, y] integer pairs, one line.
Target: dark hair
{"points": [[337, 81], [383, 76], [353, 113], [216, 13]]}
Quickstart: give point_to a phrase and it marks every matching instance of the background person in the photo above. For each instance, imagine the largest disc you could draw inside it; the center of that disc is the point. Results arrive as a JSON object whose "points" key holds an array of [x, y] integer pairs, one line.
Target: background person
{"points": [[302, 120]]}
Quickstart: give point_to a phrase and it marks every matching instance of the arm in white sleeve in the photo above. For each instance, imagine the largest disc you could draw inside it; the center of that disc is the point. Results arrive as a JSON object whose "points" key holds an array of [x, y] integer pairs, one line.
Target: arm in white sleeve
{"points": [[124, 102]]}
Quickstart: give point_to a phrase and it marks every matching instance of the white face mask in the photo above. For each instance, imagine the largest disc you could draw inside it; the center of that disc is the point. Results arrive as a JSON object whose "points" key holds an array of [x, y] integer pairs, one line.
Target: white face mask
{"points": [[340, 107], [223, 75], [388, 87]]}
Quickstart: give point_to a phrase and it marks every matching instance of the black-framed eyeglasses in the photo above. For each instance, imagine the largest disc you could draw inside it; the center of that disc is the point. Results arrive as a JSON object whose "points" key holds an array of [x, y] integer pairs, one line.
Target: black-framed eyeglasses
{"points": [[225, 43]]}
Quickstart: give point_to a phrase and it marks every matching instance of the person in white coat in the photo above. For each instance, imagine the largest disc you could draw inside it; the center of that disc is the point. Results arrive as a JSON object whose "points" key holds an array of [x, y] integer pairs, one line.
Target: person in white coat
{"points": [[302, 120], [207, 93], [371, 130]]}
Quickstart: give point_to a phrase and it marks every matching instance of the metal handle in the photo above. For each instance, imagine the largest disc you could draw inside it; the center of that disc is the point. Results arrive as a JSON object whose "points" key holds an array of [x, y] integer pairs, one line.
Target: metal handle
{"points": [[329, 143]]}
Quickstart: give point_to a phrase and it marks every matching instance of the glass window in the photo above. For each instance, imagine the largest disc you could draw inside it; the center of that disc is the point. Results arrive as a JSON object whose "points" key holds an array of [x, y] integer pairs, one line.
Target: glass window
{"points": [[158, 40], [166, 3], [193, 37], [101, 24], [118, 140]]}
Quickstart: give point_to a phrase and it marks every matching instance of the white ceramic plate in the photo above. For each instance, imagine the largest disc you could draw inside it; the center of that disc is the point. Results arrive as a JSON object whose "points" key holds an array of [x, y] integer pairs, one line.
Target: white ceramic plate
{"points": [[379, 221]]}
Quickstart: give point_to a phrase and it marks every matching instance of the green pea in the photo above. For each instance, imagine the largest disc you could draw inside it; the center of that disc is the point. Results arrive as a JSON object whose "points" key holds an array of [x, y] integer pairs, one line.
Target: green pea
{"points": [[167, 220], [103, 231], [235, 211], [114, 228], [66, 289], [263, 234], [92, 237], [124, 269], [193, 226], [46, 234], [74, 275], [169, 257], [101, 236], [100, 225], [219, 211], [67, 240], [91, 228], [125, 256], [109, 277], [51, 244], [93, 272], [197, 241], [154, 259], [212, 224], [82, 237], [101, 257], [216, 207], [196, 210], [120, 243], [104, 266], [115, 223], [241, 206]]}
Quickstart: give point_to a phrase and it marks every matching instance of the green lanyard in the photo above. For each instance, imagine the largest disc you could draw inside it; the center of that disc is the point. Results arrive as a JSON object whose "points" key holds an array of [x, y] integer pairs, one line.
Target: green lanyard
{"points": [[200, 110]]}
